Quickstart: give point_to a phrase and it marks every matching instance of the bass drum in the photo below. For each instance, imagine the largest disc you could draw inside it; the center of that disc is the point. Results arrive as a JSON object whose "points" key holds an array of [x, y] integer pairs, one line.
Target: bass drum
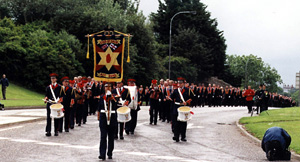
{"points": [[134, 97]]}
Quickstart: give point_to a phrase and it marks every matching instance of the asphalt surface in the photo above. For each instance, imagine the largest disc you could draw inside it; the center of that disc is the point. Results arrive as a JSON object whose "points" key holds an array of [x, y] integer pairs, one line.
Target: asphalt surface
{"points": [[212, 135]]}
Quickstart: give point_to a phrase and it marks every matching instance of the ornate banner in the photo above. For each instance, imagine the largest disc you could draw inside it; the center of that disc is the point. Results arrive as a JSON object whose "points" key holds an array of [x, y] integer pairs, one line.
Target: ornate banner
{"points": [[108, 57]]}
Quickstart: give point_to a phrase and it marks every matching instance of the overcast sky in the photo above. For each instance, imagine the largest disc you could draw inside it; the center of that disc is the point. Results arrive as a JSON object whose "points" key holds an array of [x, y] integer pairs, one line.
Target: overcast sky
{"points": [[269, 29]]}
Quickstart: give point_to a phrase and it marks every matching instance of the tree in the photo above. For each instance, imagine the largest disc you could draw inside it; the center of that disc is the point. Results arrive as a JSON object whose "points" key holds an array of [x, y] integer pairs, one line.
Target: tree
{"points": [[253, 71], [203, 41]]}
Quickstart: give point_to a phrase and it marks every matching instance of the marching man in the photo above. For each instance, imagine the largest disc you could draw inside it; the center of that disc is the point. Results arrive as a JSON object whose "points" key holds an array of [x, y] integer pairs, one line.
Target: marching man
{"points": [[107, 122], [52, 96], [181, 97], [130, 126], [123, 96]]}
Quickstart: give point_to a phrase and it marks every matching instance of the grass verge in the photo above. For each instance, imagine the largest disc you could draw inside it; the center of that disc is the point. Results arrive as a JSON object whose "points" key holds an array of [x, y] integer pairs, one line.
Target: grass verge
{"points": [[286, 118], [17, 96]]}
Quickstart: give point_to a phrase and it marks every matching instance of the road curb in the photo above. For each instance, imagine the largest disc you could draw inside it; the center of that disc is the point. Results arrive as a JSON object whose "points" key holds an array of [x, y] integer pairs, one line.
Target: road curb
{"points": [[243, 130], [22, 122], [21, 108]]}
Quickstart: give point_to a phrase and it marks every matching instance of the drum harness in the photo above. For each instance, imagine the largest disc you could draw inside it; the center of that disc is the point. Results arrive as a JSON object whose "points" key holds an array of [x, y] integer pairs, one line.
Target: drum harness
{"points": [[121, 100], [107, 112], [55, 100], [178, 103]]}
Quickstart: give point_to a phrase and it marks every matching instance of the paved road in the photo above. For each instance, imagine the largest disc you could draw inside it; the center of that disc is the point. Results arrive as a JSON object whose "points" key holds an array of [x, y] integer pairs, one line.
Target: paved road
{"points": [[212, 136]]}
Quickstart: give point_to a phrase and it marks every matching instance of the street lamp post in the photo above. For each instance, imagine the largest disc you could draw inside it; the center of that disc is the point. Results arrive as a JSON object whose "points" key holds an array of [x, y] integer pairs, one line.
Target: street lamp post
{"points": [[170, 41]]}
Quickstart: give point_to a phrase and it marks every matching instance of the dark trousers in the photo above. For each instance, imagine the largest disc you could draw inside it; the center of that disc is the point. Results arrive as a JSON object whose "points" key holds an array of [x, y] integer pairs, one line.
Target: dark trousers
{"points": [[85, 111], [209, 98], [154, 106], [49, 120], [72, 115], [249, 105], [67, 119], [179, 128], [167, 111], [274, 145], [259, 106], [106, 143], [4, 92], [130, 126], [201, 101], [120, 130], [79, 113]]}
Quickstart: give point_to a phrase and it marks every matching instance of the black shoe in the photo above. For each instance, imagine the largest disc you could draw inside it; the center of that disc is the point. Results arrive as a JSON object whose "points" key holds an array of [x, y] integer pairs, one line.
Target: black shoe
{"points": [[109, 157], [175, 139], [154, 123], [60, 131], [56, 134], [183, 139], [121, 138], [132, 133], [101, 157], [84, 122], [72, 127], [48, 134], [127, 132], [163, 120], [150, 123], [79, 124], [66, 130]]}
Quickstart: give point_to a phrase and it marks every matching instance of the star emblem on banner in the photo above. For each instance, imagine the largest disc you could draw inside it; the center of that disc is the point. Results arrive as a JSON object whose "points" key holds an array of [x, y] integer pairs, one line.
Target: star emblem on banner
{"points": [[108, 58]]}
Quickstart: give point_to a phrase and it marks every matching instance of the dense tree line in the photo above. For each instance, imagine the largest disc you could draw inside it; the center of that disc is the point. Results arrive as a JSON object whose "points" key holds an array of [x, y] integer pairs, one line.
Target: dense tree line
{"points": [[44, 36]]}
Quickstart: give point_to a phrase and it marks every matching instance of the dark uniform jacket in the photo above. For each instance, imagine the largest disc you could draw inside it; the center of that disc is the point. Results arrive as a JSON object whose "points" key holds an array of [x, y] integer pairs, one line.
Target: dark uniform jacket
{"points": [[103, 118], [125, 94], [186, 94], [56, 91], [276, 134]]}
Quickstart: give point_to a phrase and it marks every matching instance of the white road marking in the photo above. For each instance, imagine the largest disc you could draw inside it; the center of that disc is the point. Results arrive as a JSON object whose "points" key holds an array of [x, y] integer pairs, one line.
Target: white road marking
{"points": [[191, 126], [5, 129], [139, 153], [139, 124]]}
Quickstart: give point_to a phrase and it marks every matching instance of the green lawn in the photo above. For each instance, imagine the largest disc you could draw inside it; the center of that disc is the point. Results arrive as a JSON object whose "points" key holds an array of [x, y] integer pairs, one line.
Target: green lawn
{"points": [[17, 96], [286, 118]]}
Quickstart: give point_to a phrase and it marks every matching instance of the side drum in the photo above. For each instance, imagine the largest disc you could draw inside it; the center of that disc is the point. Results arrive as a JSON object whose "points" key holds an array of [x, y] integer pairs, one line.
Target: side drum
{"points": [[123, 114], [184, 114], [56, 111]]}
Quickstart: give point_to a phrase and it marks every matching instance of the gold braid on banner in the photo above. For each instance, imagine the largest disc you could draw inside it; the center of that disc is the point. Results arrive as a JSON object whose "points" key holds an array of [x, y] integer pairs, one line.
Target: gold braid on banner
{"points": [[91, 35]]}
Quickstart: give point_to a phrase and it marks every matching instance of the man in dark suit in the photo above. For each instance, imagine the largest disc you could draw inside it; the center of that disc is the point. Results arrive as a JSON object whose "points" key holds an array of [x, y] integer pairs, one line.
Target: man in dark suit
{"points": [[181, 97], [5, 84], [68, 97], [52, 93], [107, 122], [123, 100], [275, 143], [131, 125]]}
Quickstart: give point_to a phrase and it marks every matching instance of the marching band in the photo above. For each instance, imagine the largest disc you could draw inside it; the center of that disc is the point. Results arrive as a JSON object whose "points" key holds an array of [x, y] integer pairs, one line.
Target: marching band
{"points": [[84, 96]]}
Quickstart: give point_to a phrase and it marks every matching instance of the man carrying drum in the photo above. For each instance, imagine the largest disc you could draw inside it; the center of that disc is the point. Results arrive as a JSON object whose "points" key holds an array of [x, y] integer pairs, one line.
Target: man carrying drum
{"points": [[107, 122], [181, 97], [123, 98], [130, 126], [52, 95]]}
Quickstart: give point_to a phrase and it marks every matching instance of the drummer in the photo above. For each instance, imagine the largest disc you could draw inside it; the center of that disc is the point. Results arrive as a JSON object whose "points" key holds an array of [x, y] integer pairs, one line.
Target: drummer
{"points": [[130, 126], [107, 122], [123, 98], [52, 93], [181, 97]]}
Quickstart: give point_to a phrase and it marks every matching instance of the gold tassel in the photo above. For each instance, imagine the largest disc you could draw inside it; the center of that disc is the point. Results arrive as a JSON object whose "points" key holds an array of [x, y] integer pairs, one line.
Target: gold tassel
{"points": [[128, 57], [88, 48]]}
